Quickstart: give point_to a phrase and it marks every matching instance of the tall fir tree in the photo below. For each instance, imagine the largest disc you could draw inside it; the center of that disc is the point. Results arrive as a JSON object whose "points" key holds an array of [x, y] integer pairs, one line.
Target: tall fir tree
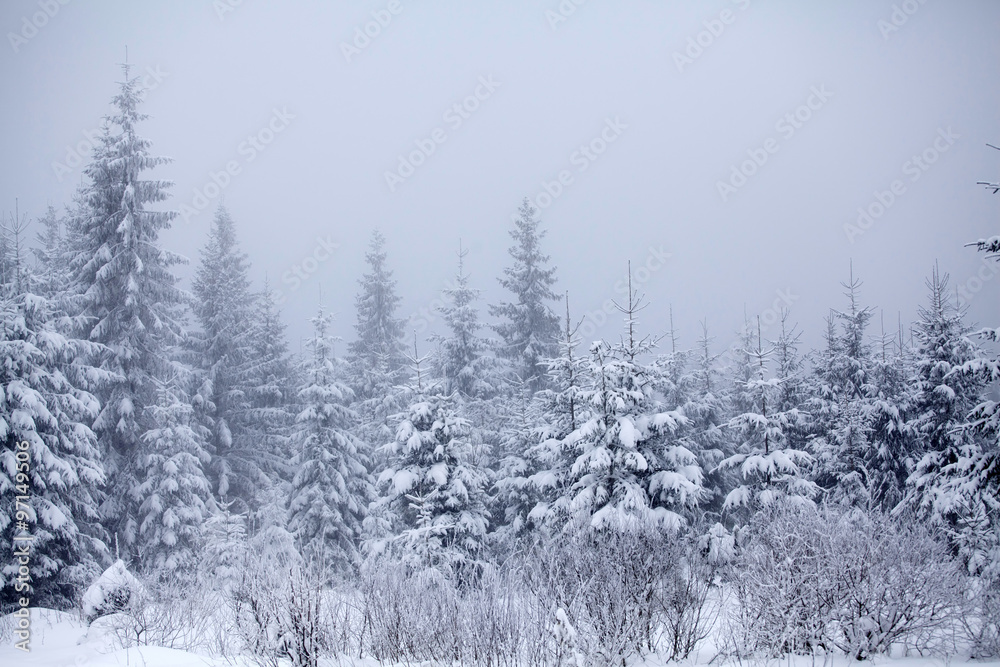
{"points": [[630, 472], [706, 406], [226, 311], [332, 487], [463, 356], [437, 493], [270, 396], [51, 471], [376, 358], [433, 492], [770, 470], [536, 478], [945, 395], [377, 355], [172, 492], [891, 457], [528, 328], [973, 480], [129, 295], [841, 403]]}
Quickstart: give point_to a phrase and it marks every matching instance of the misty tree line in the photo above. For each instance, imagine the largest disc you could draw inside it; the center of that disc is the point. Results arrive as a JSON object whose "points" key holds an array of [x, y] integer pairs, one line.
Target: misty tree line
{"points": [[175, 430]]}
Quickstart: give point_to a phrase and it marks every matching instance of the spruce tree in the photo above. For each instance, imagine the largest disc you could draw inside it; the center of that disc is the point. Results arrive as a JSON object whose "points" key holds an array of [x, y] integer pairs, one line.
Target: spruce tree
{"points": [[630, 472], [945, 395], [50, 464], [432, 488], [891, 457], [129, 297], [769, 469], [706, 406], [171, 494], [227, 313], [376, 355], [332, 488], [269, 386], [536, 475], [528, 328], [841, 404], [463, 359]]}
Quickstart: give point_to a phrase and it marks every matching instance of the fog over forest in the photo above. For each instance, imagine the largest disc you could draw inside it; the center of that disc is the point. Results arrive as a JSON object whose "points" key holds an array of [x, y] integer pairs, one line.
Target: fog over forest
{"points": [[570, 332]]}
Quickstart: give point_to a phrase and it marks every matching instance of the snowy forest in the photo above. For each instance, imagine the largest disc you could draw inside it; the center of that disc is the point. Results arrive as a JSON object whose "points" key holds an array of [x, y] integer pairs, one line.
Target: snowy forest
{"points": [[208, 462], [511, 493]]}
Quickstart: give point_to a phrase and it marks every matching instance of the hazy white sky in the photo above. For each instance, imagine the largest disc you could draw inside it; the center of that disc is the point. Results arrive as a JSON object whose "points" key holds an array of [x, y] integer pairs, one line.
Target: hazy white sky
{"points": [[830, 102]]}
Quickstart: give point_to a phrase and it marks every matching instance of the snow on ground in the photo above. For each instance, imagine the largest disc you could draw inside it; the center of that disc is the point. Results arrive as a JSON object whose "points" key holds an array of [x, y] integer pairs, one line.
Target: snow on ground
{"points": [[60, 639]]}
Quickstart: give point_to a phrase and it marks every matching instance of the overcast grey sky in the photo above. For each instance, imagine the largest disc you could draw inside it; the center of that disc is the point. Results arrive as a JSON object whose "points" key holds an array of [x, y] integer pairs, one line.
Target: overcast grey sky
{"points": [[829, 102]]}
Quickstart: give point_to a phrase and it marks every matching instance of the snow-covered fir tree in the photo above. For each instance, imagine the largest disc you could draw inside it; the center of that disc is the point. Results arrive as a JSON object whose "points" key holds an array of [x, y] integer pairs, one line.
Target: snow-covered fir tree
{"points": [[226, 357], [223, 557], [171, 494], [630, 472], [792, 393], [841, 403], [769, 469], [972, 482], [50, 458], [528, 328], [945, 395], [51, 276], [431, 487], [376, 357], [671, 368], [332, 487], [890, 458], [705, 406], [463, 355], [535, 477], [269, 385], [130, 299]]}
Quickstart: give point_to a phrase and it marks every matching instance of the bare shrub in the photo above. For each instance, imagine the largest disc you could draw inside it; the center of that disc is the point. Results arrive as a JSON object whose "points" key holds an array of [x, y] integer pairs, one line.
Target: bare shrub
{"points": [[624, 593], [299, 615], [981, 622], [169, 614], [858, 582]]}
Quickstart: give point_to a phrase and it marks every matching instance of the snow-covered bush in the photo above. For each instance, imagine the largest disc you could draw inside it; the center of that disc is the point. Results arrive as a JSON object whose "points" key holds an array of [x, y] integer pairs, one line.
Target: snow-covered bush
{"points": [[116, 590], [175, 613], [295, 614], [409, 615], [981, 621], [835, 579], [425, 616], [624, 593]]}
